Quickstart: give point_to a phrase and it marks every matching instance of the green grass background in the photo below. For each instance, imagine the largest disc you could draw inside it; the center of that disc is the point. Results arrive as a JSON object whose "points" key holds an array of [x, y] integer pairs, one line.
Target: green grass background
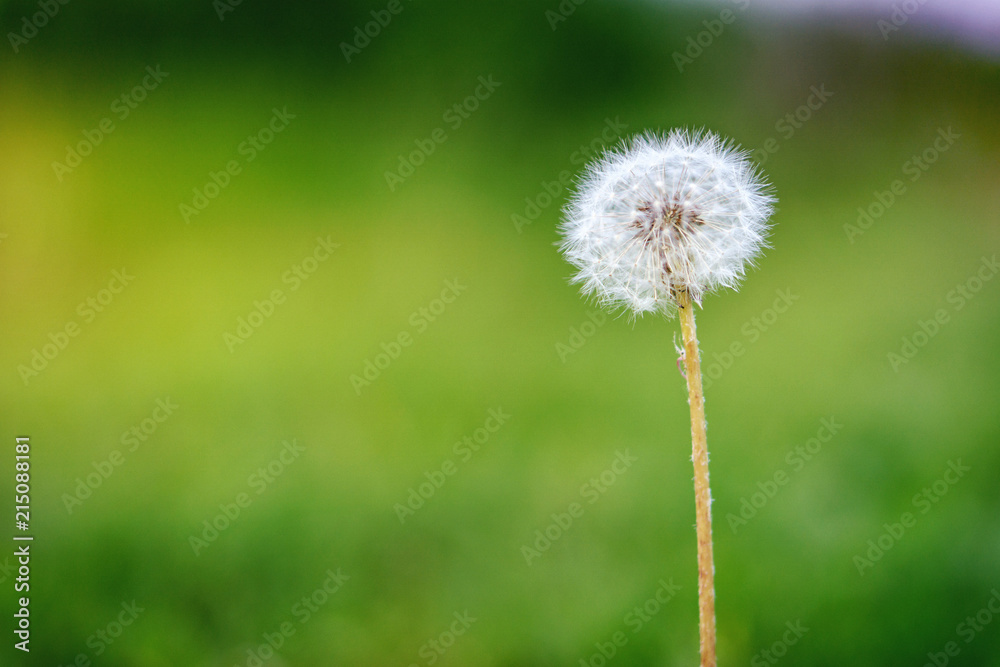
{"points": [[495, 346]]}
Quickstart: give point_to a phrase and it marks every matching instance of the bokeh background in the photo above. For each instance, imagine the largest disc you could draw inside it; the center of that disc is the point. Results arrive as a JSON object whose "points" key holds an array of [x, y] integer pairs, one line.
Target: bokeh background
{"points": [[916, 279]]}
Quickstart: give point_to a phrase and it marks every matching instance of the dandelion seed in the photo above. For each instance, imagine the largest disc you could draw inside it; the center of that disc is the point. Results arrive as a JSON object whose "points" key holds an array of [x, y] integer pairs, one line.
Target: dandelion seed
{"points": [[687, 212]]}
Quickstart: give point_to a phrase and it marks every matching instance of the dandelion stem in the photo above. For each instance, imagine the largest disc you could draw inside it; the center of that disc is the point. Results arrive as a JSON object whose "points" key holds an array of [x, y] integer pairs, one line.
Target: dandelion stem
{"points": [[702, 492]]}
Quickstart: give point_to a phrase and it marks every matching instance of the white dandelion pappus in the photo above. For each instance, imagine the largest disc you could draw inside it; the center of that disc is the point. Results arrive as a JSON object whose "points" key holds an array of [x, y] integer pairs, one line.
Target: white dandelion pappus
{"points": [[662, 215]]}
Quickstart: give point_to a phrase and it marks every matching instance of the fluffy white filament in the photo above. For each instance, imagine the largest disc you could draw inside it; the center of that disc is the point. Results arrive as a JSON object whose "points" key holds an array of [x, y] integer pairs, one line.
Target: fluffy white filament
{"points": [[664, 214]]}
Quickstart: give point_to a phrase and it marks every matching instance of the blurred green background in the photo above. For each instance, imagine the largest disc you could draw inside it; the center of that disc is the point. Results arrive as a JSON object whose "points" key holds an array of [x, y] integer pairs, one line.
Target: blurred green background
{"points": [[481, 210]]}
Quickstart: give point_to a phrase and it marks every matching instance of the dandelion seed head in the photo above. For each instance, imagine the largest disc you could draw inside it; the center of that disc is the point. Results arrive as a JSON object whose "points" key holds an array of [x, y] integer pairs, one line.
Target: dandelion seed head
{"points": [[686, 212]]}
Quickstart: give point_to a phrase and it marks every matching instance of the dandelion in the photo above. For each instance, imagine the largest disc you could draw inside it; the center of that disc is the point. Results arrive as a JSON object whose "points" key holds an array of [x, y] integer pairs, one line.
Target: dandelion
{"points": [[654, 227]]}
